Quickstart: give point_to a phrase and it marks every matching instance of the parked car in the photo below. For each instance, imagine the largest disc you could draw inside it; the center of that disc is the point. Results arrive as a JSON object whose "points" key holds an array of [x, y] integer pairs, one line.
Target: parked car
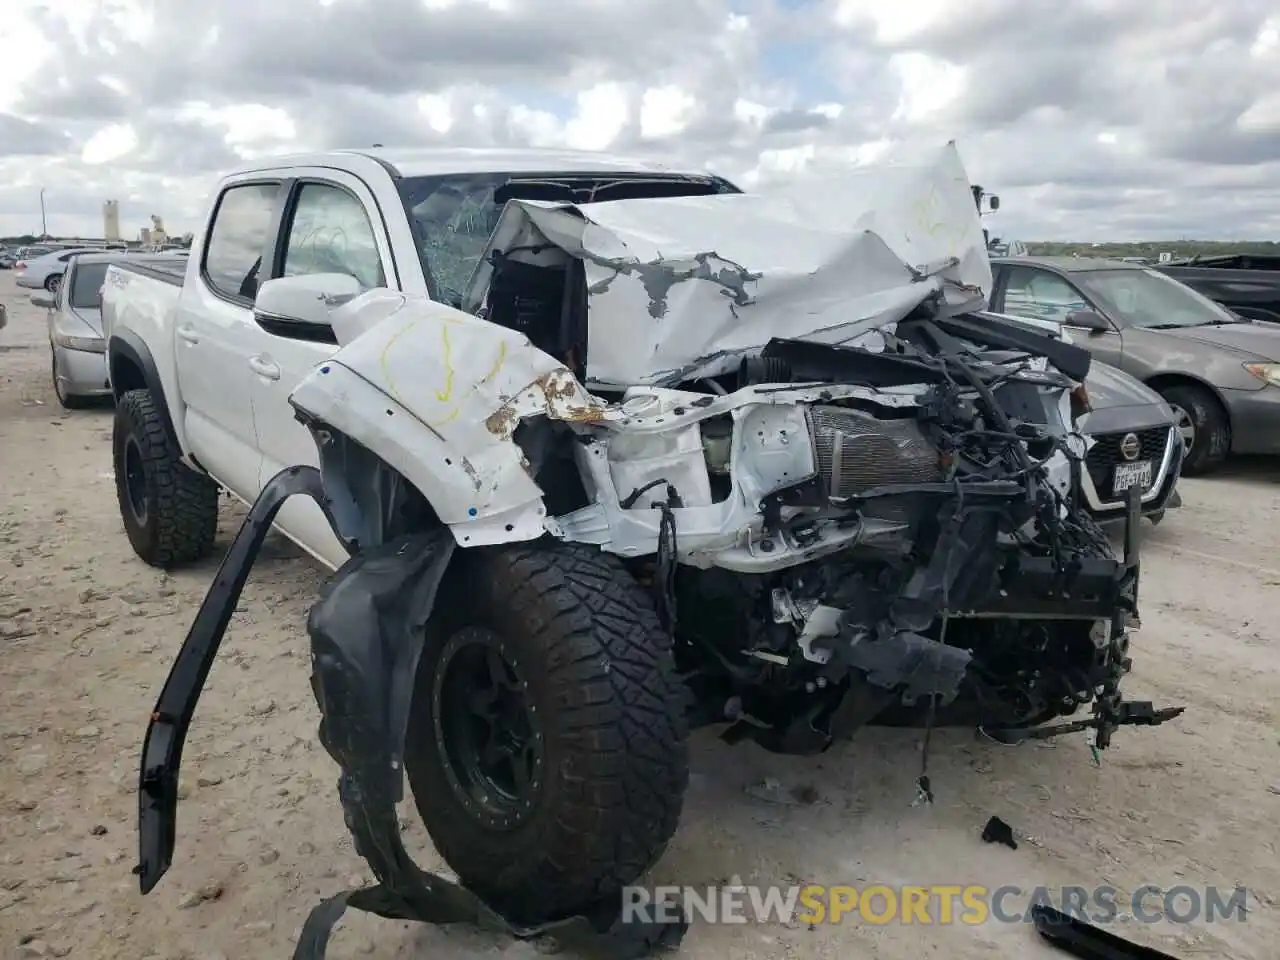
{"points": [[10, 258], [77, 347], [570, 417], [1246, 284], [1132, 436], [46, 271], [1219, 372]]}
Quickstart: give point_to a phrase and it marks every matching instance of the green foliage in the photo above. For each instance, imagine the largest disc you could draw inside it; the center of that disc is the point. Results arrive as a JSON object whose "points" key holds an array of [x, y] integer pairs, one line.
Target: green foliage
{"points": [[1152, 249]]}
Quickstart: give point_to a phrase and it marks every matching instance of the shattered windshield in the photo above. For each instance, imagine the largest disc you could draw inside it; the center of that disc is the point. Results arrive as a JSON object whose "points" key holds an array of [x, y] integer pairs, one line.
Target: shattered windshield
{"points": [[454, 215]]}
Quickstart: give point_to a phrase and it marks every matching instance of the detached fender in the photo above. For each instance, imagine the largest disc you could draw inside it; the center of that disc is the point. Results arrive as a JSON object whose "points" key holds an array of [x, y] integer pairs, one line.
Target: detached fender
{"points": [[437, 394], [367, 633]]}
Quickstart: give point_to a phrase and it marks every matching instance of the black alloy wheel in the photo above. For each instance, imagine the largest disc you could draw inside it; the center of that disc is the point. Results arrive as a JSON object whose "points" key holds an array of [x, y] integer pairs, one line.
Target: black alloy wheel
{"points": [[487, 729], [135, 482]]}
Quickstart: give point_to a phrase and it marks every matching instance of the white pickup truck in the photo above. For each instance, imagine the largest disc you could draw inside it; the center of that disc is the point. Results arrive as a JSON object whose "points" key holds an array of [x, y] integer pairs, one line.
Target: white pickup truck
{"points": [[218, 375], [595, 391]]}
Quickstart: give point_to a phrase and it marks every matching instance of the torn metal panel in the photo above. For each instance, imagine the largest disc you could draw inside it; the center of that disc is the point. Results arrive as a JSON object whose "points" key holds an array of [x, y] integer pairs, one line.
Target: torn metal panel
{"points": [[681, 287], [436, 394]]}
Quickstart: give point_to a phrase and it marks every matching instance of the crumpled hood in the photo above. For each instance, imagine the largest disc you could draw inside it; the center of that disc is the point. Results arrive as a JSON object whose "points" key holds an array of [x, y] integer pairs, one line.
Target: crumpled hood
{"points": [[1256, 338], [682, 287]]}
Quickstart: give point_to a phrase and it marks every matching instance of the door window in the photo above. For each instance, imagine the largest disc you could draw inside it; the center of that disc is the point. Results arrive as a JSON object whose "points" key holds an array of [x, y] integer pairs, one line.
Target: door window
{"points": [[331, 233], [1038, 293], [237, 237]]}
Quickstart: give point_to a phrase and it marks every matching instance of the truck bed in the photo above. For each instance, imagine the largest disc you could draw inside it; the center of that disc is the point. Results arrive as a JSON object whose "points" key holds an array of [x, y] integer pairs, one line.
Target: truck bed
{"points": [[167, 269]]}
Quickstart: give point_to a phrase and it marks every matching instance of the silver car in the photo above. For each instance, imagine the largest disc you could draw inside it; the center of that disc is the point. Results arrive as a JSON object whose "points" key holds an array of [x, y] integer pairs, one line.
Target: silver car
{"points": [[76, 343], [78, 350], [46, 271]]}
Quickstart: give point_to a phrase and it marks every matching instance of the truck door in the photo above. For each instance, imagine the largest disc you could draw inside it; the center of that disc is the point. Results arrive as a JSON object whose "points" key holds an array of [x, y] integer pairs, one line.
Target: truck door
{"points": [[327, 227], [214, 333]]}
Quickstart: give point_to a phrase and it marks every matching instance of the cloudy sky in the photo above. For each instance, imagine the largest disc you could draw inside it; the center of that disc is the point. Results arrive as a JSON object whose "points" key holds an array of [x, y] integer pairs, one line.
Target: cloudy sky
{"points": [[1094, 119]]}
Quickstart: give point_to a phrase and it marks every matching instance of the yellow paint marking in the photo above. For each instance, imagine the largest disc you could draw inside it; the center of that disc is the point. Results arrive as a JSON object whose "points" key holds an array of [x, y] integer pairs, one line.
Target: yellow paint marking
{"points": [[497, 364], [453, 415], [384, 360], [444, 395]]}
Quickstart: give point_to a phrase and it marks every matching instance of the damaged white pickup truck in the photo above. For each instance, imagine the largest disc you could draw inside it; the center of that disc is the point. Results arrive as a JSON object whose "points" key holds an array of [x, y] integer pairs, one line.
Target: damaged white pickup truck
{"points": [[604, 452]]}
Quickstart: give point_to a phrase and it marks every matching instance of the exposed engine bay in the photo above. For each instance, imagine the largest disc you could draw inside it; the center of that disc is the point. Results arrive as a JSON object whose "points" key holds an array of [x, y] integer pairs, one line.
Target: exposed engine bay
{"points": [[915, 539]]}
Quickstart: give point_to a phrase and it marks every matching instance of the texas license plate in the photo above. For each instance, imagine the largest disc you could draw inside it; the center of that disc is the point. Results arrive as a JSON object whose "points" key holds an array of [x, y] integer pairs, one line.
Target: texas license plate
{"points": [[1136, 474]]}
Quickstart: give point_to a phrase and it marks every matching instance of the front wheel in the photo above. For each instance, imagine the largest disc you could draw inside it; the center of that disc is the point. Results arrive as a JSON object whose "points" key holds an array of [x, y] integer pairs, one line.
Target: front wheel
{"points": [[1203, 425], [546, 747], [170, 512]]}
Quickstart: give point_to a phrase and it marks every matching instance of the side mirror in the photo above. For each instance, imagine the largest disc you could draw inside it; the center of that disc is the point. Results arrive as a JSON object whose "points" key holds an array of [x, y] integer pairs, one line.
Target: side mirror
{"points": [[1089, 320], [289, 306], [43, 300]]}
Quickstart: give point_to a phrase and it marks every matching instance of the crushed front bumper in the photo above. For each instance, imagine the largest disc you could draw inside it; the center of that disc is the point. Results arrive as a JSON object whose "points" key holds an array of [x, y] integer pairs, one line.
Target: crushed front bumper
{"points": [[1110, 710]]}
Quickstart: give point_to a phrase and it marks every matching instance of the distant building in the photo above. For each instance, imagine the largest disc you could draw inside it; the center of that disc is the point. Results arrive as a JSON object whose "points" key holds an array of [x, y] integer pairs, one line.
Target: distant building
{"points": [[111, 220]]}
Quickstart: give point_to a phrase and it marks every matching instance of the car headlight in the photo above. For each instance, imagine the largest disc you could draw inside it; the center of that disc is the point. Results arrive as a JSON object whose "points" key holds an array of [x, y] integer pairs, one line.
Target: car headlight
{"points": [[1266, 372], [87, 344]]}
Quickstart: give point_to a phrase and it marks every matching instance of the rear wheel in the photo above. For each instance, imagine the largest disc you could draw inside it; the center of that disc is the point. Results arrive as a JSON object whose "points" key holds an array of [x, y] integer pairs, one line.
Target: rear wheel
{"points": [[170, 512], [1203, 424], [546, 747], [52, 282]]}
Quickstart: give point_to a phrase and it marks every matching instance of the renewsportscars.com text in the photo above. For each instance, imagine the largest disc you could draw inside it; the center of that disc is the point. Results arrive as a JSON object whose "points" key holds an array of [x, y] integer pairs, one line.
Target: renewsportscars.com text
{"points": [[940, 904]]}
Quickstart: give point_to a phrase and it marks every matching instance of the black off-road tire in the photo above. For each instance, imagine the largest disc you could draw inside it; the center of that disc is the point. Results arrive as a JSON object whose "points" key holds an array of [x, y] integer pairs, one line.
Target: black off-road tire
{"points": [[600, 673], [180, 516], [1212, 440]]}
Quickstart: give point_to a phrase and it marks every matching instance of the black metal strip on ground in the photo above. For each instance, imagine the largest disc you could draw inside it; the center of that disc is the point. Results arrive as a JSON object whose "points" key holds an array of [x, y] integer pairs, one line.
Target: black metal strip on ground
{"points": [[1086, 941]]}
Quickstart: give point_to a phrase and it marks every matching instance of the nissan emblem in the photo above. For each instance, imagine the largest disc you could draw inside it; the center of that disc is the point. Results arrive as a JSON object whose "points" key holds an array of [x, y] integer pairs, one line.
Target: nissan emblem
{"points": [[1130, 446]]}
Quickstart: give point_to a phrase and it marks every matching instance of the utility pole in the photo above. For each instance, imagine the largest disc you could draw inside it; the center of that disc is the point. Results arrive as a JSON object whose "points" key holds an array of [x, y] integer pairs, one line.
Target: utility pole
{"points": [[44, 224]]}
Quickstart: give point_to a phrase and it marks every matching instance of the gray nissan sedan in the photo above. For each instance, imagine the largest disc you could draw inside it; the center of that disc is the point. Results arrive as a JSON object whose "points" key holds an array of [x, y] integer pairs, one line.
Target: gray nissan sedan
{"points": [[1219, 372]]}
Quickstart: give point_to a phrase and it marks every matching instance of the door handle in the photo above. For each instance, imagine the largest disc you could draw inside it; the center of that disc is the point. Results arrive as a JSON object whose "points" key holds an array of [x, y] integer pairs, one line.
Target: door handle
{"points": [[264, 368], [188, 334]]}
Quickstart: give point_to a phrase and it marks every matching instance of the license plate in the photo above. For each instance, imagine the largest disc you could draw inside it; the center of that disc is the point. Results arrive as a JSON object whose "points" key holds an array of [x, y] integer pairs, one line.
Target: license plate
{"points": [[1136, 474]]}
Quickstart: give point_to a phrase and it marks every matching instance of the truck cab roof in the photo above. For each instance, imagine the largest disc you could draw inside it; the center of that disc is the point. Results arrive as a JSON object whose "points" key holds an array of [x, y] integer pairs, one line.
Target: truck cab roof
{"points": [[435, 161]]}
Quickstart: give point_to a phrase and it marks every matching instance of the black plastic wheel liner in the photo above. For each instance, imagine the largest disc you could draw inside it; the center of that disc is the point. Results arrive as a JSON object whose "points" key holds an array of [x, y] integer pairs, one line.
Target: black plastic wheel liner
{"points": [[366, 638], [1083, 940]]}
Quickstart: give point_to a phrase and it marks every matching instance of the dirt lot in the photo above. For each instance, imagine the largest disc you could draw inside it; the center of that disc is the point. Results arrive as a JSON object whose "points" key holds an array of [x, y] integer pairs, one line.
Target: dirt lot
{"points": [[87, 634]]}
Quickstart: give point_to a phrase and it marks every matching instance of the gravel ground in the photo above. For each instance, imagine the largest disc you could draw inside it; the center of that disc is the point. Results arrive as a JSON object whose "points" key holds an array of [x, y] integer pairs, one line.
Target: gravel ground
{"points": [[87, 634]]}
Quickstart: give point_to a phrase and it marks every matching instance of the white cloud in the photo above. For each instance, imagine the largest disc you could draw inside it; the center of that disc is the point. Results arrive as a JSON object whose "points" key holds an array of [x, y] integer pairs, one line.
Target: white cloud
{"points": [[603, 112], [112, 142], [928, 84], [665, 111], [1092, 120]]}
